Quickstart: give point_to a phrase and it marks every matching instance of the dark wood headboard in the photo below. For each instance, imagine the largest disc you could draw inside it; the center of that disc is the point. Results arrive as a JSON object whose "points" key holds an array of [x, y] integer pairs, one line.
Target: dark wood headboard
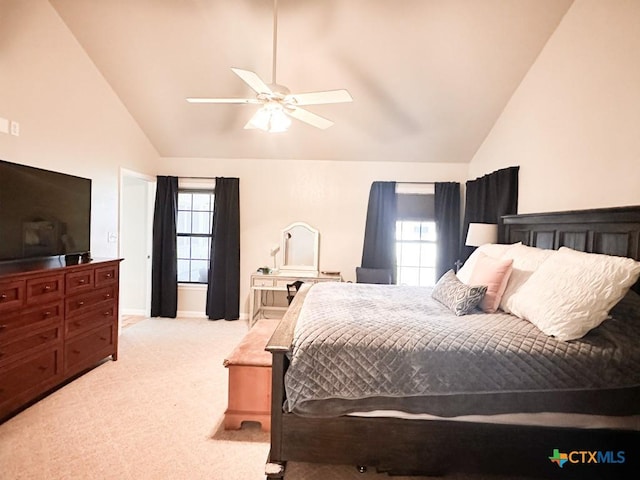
{"points": [[612, 231]]}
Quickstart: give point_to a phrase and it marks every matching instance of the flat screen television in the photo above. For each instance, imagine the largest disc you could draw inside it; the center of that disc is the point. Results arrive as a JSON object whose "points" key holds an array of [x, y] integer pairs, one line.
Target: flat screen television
{"points": [[42, 213]]}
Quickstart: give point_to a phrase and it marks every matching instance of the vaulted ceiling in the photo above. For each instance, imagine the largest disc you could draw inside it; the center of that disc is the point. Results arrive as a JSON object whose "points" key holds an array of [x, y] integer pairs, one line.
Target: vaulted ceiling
{"points": [[428, 77]]}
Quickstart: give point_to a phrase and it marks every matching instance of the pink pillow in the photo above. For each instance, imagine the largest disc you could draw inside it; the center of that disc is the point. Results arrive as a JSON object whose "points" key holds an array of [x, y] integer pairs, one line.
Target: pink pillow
{"points": [[494, 273]]}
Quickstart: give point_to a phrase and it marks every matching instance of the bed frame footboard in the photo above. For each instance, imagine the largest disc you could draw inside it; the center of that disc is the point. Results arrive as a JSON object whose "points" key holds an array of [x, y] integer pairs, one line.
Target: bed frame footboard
{"points": [[279, 345]]}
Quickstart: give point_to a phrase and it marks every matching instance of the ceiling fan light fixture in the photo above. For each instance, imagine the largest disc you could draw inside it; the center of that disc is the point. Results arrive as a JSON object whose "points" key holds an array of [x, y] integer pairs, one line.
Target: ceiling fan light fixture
{"points": [[270, 118]]}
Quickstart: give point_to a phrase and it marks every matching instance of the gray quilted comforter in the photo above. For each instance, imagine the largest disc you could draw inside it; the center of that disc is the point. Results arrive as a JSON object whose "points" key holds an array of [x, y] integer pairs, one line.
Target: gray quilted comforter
{"points": [[363, 347]]}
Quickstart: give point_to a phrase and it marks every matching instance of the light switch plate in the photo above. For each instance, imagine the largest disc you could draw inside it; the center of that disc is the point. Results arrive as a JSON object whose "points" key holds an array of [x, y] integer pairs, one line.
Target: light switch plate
{"points": [[15, 128]]}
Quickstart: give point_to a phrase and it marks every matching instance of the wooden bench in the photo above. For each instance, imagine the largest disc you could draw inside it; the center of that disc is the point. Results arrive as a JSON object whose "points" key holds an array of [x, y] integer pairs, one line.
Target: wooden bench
{"points": [[249, 368]]}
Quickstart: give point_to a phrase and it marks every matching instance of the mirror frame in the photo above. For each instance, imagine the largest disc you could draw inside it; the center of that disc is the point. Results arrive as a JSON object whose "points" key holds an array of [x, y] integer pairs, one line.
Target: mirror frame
{"points": [[316, 242]]}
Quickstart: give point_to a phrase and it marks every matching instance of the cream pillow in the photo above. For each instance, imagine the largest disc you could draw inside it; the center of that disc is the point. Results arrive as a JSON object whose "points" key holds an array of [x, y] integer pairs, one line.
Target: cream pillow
{"points": [[526, 260], [494, 273], [495, 250], [572, 292]]}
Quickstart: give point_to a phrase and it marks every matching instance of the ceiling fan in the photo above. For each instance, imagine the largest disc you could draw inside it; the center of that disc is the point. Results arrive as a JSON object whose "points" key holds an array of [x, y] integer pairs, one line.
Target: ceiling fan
{"points": [[278, 103]]}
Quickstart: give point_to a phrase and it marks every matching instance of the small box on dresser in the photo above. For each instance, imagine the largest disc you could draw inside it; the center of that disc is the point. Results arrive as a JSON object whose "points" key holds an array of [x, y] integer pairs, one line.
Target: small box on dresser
{"points": [[55, 322]]}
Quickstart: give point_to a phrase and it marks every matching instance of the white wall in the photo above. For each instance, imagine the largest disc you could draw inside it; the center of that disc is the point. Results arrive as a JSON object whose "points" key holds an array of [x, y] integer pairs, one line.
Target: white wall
{"points": [[573, 125], [330, 196], [70, 119]]}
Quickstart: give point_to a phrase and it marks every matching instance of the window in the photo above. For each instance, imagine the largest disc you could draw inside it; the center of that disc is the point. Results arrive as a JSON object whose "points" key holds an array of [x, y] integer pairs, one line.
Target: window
{"points": [[416, 252], [195, 218]]}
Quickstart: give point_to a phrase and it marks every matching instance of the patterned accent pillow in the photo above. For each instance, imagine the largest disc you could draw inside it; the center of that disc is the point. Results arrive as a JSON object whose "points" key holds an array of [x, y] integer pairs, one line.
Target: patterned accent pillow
{"points": [[460, 298]]}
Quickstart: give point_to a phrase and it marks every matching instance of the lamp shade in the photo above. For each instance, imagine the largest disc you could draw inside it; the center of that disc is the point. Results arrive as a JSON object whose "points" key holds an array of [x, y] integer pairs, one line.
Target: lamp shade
{"points": [[481, 233]]}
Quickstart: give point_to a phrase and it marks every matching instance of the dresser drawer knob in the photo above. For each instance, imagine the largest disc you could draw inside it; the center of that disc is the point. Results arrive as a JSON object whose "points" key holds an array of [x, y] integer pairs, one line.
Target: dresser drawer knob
{"points": [[46, 314], [107, 314], [3, 296], [108, 275], [103, 338], [82, 281], [107, 295], [44, 338], [2, 327], [46, 288], [43, 368], [80, 303]]}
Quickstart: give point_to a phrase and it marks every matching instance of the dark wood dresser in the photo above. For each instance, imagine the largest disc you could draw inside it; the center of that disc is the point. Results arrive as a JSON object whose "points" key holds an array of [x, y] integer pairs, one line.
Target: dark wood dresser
{"points": [[56, 321]]}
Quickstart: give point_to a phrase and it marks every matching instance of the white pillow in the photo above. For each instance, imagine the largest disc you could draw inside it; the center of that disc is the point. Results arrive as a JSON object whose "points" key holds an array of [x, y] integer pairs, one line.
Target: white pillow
{"points": [[494, 250], [526, 260], [572, 292]]}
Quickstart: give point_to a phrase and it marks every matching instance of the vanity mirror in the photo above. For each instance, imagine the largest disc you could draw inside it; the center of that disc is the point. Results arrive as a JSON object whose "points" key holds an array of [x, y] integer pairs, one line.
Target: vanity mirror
{"points": [[300, 249]]}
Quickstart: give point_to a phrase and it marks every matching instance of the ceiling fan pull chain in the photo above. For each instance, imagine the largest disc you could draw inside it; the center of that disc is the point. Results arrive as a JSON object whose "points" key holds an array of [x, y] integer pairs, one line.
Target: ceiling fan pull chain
{"points": [[275, 41]]}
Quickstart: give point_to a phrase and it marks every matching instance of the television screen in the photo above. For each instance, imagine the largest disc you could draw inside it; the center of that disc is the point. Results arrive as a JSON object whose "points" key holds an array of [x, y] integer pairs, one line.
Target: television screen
{"points": [[42, 213]]}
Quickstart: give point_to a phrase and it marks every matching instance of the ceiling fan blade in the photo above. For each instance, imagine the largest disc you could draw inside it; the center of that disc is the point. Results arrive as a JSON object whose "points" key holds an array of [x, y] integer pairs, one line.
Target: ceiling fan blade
{"points": [[223, 100], [307, 117], [317, 98], [253, 80]]}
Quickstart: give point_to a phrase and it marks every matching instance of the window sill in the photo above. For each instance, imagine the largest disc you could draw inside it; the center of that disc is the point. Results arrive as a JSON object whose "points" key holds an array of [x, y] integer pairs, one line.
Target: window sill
{"points": [[192, 286]]}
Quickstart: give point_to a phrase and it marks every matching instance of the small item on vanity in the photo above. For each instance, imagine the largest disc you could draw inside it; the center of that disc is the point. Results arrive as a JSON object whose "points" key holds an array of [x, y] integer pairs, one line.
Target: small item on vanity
{"points": [[264, 270], [85, 257], [330, 272]]}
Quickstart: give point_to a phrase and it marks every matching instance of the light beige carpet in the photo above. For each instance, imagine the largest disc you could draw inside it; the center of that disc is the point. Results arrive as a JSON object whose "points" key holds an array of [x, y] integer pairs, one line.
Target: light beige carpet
{"points": [[156, 413]]}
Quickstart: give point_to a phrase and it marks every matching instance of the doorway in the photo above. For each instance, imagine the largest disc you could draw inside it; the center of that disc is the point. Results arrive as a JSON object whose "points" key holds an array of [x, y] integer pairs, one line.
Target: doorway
{"points": [[137, 192]]}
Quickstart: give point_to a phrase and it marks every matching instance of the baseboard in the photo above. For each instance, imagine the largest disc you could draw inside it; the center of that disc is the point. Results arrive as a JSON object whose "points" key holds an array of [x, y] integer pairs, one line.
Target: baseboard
{"points": [[180, 313], [190, 314], [133, 311], [195, 314]]}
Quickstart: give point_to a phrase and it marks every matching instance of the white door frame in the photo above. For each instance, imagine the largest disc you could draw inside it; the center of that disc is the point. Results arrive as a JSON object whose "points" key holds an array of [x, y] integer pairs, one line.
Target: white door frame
{"points": [[126, 173]]}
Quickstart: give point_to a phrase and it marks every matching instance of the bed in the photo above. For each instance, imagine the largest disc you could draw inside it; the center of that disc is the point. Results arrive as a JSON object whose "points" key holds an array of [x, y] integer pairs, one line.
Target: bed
{"points": [[445, 429]]}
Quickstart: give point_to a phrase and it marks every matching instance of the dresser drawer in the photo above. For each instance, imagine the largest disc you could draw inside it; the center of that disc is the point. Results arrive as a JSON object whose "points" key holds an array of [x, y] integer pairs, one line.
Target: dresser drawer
{"points": [[38, 339], [91, 319], [106, 275], [44, 289], [18, 324], [86, 350], [79, 281], [12, 294], [25, 380], [79, 304]]}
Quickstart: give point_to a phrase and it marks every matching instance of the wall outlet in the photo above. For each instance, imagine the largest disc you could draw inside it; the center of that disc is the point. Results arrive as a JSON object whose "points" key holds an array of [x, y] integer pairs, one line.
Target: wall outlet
{"points": [[15, 128], [4, 125], [112, 237]]}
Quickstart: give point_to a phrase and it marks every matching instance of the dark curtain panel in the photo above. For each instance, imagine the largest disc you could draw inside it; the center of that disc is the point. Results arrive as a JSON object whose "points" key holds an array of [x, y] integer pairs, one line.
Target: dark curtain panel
{"points": [[488, 198], [164, 266], [447, 214], [223, 289], [379, 250]]}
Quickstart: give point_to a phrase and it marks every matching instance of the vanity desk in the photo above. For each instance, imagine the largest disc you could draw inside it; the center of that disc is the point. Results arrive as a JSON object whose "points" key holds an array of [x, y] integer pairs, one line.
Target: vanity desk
{"points": [[299, 250], [262, 284]]}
